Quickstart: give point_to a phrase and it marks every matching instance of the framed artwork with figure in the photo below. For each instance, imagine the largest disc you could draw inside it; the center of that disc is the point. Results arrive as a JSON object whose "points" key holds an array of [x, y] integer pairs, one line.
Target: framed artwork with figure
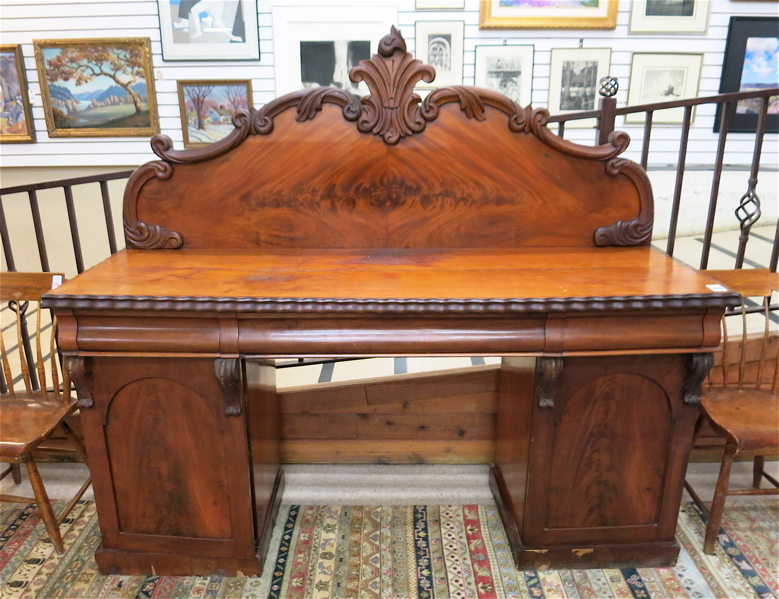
{"points": [[209, 29], [16, 124], [440, 44], [506, 69]]}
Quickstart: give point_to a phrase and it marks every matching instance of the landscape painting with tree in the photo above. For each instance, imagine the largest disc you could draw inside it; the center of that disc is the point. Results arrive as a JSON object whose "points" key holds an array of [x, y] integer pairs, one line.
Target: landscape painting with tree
{"points": [[97, 87], [207, 109]]}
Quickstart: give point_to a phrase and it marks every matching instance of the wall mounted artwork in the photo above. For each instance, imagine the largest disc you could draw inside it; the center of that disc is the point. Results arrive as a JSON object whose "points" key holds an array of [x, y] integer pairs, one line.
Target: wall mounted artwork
{"points": [[548, 14], [16, 124], [440, 44], [663, 78], [507, 70], [207, 109], [97, 87], [669, 16], [209, 29], [573, 81]]}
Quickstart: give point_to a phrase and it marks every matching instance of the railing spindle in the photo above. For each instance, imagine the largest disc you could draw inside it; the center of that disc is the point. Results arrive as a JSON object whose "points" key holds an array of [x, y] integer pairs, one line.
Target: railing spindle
{"points": [[677, 200], [561, 128], [7, 251], [109, 219], [36, 219], [723, 135], [647, 137], [74, 228]]}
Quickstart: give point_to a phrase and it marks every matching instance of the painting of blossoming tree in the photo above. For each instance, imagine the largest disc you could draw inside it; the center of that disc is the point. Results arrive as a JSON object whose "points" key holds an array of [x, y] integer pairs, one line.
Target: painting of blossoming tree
{"points": [[97, 88]]}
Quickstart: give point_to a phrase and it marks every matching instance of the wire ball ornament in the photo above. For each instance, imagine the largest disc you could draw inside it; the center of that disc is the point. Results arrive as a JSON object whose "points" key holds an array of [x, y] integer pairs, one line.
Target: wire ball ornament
{"points": [[608, 86]]}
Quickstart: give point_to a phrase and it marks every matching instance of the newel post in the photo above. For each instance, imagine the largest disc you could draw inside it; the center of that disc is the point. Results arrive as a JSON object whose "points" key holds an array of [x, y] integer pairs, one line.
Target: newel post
{"points": [[608, 106]]}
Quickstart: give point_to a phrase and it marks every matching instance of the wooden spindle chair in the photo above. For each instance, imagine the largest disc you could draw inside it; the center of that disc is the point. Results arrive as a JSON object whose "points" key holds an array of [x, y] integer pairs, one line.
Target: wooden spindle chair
{"points": [[30, 415], [741, 403]]}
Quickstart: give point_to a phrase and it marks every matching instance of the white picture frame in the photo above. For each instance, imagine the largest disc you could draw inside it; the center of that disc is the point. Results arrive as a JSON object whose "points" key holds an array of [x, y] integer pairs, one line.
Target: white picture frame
{"points": [[669, 16], [440, 44], [296, 26], [507, 70], [574, 74], [211, 30], [663, 77], [439, 5]]}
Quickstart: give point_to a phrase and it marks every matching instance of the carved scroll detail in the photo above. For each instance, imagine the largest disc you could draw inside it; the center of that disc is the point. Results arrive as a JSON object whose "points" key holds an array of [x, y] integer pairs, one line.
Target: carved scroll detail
{"points": [[637, 231], [80, 373], [548, 371], [139, 235], [228, 375], [697, 371]]}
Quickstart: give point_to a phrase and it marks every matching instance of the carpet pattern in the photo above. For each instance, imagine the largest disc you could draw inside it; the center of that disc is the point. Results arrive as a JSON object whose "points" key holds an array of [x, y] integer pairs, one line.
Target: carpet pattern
{"points": [[396, 552]]}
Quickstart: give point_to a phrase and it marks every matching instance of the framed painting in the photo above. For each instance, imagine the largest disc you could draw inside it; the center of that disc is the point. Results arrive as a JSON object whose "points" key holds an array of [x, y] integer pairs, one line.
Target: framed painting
{"points": [[663, 78], [669, 16], [16, 124], [573, 81], [209, 29], [207, 108], [317, 46], [507, 70], [750, 63], [548, 14], [97, 87], [440, 44]]}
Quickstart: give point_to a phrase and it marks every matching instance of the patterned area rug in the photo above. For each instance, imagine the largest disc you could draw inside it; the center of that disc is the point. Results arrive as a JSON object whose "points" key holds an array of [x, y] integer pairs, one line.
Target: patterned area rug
{"points": [[397, 552]]}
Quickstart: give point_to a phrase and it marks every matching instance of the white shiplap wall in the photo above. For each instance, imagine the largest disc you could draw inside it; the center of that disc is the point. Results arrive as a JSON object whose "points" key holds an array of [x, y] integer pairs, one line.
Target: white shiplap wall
{"points": [[22, 21]]}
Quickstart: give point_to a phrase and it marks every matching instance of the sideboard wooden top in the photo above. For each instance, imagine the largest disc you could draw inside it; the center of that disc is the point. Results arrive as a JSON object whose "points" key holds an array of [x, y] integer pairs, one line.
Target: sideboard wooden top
{"points": [[371, 280]]}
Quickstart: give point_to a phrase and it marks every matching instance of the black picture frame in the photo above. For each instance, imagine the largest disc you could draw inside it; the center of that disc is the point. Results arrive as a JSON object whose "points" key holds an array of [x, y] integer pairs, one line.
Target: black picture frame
{"points": [[740, 30]]}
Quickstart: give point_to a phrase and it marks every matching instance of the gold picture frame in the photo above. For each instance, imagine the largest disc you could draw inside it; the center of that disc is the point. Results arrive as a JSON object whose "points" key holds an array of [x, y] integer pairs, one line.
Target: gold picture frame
{"points": [[81, 98], [522, 14], [207, 108], [16, 124]]}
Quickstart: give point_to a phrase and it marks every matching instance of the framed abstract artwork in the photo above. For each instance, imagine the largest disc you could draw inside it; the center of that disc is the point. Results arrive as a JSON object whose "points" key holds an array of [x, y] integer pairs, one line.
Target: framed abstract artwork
{"points": [[751, 63], [97, 87], [209, 29], [317, 46], [440, 44], [207, 108], [573, 81], [548, 14], [669, 16], [506, 69], [663, 78], [16, 124]]}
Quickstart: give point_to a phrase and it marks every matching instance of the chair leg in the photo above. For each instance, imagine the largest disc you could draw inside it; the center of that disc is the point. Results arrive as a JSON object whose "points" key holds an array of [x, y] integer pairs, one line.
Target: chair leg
{"points": [[16, 474], [718, 503], [49, 521], [757, 471]]}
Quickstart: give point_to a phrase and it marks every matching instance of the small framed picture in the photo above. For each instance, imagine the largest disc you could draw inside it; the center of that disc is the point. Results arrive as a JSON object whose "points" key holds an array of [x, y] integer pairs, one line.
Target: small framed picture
{"points": [[507, 70], [207, 108], [208, 30], [669, 16], [440, 44], [97, 87], [440, 4], [573, 81], [16, 124], [751, 59], [663, 78]]}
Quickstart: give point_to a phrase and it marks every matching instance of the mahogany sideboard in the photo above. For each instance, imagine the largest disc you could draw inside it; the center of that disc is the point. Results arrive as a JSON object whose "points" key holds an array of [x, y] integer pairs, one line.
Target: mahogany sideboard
{"points": [[331, 225]]}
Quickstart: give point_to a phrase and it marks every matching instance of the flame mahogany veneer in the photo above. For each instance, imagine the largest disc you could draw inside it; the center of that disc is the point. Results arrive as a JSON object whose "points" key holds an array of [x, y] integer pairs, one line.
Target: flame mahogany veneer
{"points": [[327, 224]]}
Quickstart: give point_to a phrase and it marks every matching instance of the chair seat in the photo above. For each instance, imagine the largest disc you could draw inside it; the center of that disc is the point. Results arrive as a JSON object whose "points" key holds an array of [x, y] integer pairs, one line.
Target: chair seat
{"points": [[749, 419], [26, 421]]}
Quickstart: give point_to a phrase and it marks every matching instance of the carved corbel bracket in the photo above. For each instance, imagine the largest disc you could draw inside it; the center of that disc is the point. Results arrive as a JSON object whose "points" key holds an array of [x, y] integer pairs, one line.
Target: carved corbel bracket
{"points": [[548, 371], [697, 371], [80, 372], [228, 375]]}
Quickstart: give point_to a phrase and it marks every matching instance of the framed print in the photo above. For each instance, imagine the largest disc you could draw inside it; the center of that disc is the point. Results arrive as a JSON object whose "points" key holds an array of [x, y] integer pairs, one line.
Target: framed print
{"points": [[209, 29], [316, 46], [573, 81], [507, 70], [750, 63], [669, 16], [440, 4], [663, 78], [440, 44], [548, 14], [97, 87], [16, 125], [207, 108]]}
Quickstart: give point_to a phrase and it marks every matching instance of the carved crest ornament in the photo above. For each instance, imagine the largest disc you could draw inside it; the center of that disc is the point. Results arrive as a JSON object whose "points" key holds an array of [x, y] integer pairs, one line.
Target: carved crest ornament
{"points": [[392, 112]]}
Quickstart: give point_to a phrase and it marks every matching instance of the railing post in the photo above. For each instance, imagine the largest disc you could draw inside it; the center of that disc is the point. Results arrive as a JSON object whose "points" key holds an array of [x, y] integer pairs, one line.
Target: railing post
{"points": [[608, 107]]}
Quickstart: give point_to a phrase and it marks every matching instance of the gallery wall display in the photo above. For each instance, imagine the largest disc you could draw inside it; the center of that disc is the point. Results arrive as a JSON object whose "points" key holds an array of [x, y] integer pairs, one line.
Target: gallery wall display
{"points": [[573, 81], [669, 16], [751, 63], [16, 124], [209, 29], [97, 87], [548, 14], [663, 78], [439, 4], [207, 108], [440, 44], [314, 46], [507, 70]]}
